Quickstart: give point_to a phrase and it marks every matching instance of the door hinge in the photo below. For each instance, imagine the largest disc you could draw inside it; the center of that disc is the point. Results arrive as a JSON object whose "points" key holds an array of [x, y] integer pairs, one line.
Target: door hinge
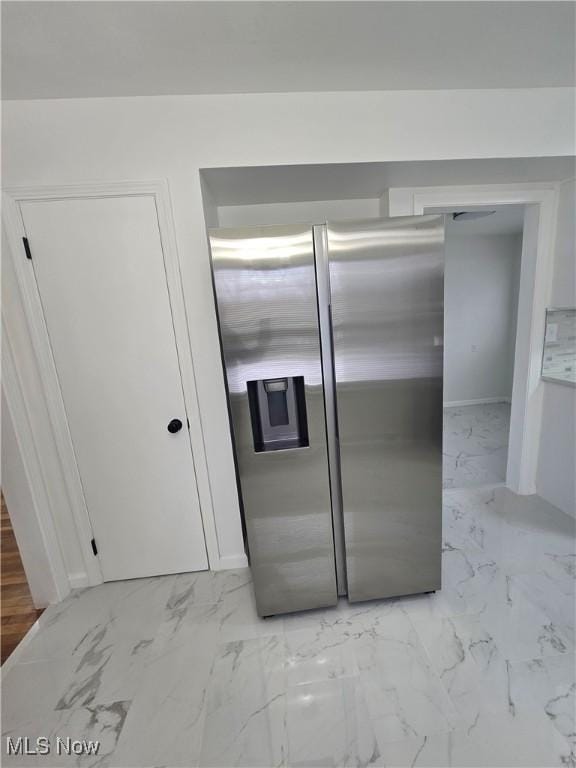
{"points": [[94, 547], [27, 248]]}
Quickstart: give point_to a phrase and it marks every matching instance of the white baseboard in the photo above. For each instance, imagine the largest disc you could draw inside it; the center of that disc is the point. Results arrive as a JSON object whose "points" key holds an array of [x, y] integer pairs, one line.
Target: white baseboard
{"points": [[79, 580], [479, 401], [231, 561]]}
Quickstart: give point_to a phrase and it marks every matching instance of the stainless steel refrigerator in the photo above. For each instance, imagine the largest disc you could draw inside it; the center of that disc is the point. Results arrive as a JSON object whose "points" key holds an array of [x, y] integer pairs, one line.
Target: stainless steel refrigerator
{"points": [[332, 341]]}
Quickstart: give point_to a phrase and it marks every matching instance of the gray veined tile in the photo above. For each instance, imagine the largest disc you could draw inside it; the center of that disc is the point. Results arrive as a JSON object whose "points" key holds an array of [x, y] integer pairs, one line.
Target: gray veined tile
{"points": [[470, 577], [561, 565], [469, 664], [233, 616], [430, 605], [230, 619], [535, 534], [553, 592], [30, 691], [404, 695], [108, 673], [106, 660], [522, 629], [471, 518], [191, 589], [133, 608], [474, 467], [102, 723], [316, 619], [109, 659], [245, 712], [328, 725], [138, 614], [351, 620], [63, 628], [318, 654], [417, 752], [207, 587], [525, 742], [374, 618], [98, 723], [383, 627], [166, 719], [477, 674], [481, 645], [228, 584], [475, 445], [550, 684]]}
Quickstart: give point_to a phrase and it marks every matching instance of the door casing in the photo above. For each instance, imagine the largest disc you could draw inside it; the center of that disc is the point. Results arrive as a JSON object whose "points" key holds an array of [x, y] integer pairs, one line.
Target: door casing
{"points": [[159, 191], [541, 211]]}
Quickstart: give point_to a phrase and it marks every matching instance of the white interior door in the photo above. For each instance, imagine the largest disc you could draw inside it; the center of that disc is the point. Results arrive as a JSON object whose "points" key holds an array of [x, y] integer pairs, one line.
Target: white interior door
{"points": [[100, 273]]}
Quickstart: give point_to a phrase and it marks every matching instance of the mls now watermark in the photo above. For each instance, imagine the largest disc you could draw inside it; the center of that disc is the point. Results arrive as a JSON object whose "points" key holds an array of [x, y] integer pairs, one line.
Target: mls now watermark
{"points": [[44, 746]]}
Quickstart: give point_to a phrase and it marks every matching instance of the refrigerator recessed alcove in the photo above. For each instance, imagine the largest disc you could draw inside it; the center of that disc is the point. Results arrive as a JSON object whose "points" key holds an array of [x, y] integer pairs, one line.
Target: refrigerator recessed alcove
{"points": [[348, 500]]}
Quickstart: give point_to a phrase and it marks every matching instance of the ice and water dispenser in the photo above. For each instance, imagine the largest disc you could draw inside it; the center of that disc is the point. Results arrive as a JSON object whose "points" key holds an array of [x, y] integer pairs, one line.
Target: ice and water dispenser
{"points": [[278, 413]]}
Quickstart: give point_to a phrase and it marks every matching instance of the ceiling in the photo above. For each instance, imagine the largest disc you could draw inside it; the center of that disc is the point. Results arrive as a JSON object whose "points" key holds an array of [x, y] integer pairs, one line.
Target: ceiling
{"points": [[344, 181], [88, 49], [507, 220]]}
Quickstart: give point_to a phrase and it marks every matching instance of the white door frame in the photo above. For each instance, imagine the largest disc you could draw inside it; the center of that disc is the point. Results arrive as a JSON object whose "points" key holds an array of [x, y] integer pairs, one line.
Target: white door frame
{"points": [[534, 294], [32, 307], [40, 529]]}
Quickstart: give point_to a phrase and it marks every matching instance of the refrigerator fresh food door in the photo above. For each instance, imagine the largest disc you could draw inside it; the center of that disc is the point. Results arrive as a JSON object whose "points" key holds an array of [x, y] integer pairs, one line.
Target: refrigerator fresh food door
{"points": [[386, 286]]}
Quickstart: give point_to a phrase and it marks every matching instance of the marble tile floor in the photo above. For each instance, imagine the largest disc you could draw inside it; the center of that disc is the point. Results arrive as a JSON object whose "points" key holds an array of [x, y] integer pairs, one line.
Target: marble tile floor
{"points": [[475, 450], [179, 670]]}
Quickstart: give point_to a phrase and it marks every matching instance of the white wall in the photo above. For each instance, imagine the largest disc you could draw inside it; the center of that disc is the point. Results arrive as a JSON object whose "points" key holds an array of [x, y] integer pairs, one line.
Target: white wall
{"points": [[42, 581], [18, 496], [26, 378], [311, 212], [556, 475], [481, 278], [60, 141]]}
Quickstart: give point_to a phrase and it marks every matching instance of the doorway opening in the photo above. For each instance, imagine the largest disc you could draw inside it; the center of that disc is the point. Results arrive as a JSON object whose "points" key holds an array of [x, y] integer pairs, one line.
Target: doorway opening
{"points": [[244, 196], [481, 286]]}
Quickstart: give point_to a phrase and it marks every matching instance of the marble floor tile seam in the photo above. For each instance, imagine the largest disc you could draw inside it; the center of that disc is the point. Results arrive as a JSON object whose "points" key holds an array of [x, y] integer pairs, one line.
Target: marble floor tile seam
{"points": [[463, 490], [505, 560], [495, 617], [531, 658], [451, 725], [495, 646], [490, 705], [154, 645], [567, 756], [471, 611], [471, 661], [552, 622]]}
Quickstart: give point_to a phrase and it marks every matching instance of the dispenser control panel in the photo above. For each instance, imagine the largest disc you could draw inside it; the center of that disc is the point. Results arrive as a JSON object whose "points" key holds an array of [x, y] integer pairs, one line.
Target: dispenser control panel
{"points": [[278, 413]]}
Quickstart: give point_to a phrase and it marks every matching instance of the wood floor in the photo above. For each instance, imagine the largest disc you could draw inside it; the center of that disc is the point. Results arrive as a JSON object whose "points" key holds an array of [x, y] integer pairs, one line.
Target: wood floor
{"points": [[17, 609]]}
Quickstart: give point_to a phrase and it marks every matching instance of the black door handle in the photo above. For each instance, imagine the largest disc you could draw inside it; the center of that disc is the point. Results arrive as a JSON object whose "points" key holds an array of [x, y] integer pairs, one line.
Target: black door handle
{"points": [[174, 426]]}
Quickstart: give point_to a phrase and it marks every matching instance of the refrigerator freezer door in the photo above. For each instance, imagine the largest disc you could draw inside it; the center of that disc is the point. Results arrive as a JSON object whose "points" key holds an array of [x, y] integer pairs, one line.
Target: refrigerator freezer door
{"points": [[386, 283], [265, 287]]}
